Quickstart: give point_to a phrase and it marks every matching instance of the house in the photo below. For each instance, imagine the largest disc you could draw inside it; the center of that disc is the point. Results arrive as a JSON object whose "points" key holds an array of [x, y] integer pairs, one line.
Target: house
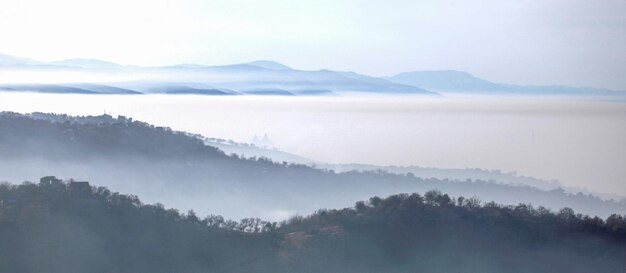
{"points": [[79, 189]]}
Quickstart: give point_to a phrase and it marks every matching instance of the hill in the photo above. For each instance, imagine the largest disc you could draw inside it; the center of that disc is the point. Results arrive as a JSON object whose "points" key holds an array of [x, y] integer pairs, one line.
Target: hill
{"points": [[180, 170], [55, 226], [497, 176]]}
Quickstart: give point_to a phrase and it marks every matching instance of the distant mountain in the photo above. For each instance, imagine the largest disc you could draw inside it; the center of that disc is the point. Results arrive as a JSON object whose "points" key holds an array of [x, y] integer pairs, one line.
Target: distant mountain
{"points": [[268, 91], [451, 81], [447, 80], [269, 65], [266, 77], [183, 89], [44, 88], [272, 78], [7, 60], [257, 78], [86, 63], [80, 88], [102, 89]]}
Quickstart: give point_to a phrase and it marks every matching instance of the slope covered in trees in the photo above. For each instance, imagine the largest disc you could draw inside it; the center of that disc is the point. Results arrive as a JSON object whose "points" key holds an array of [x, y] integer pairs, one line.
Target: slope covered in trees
{"points": [[178, 169], [55, 226]]}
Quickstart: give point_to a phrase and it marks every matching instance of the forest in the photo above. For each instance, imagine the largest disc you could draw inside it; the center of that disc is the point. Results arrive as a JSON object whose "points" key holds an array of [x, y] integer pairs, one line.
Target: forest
{"points": [[73, 226]]}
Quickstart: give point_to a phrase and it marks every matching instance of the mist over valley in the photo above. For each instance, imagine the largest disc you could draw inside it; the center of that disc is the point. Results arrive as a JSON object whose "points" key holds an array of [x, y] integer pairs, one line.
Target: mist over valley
{"points": [[321, 136]]}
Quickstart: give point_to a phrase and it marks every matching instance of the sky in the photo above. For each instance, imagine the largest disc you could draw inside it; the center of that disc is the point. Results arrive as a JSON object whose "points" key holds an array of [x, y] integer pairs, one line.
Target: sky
{"points": [[570, 42]]}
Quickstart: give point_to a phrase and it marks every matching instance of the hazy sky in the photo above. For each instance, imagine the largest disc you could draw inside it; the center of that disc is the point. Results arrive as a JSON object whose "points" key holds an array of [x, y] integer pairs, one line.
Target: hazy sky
{"points": [[575, 42]]}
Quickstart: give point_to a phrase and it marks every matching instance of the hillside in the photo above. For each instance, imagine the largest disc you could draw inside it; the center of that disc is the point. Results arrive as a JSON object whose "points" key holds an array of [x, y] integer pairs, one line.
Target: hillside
{"points": [[55, 226], [495, 176], [180, 170]]}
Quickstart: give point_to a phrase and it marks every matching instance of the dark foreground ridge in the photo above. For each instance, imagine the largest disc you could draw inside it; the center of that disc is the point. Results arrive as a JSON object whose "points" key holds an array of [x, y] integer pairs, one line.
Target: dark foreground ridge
{"points": [[55, 226]]}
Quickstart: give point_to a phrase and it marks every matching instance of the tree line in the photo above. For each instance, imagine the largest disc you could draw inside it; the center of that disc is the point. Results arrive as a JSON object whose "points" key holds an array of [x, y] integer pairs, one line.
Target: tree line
{"points": [[63, 226]]}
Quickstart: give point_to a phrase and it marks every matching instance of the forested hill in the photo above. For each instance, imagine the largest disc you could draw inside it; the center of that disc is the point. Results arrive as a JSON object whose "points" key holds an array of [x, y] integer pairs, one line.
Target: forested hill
{"points": [[60, 136], [54, 226], [178, 169]]}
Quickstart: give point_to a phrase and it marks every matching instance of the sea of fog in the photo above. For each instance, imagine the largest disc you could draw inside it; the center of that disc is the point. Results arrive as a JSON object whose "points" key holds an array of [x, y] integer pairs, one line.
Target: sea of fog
{"points": [[580, 143]]}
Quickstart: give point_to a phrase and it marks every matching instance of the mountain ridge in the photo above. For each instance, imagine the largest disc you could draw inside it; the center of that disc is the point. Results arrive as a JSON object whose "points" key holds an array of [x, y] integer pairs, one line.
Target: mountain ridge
{"points": [[266, 77], [454, 81], [86, 63], [261, 77]]}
